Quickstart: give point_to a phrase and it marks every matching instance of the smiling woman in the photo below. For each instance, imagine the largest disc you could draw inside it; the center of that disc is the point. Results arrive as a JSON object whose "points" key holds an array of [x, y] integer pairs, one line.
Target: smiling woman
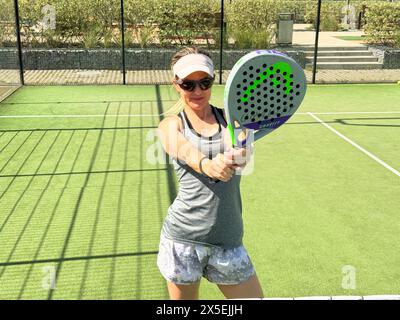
{"points": [[202, 233], [178, 57]]}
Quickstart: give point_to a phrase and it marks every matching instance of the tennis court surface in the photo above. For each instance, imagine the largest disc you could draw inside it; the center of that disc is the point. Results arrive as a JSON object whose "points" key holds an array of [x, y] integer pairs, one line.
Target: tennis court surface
{"points": [[83, 197]]}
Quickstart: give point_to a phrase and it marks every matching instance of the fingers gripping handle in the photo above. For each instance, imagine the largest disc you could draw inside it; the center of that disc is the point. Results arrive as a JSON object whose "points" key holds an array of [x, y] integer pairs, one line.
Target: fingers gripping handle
{"points": [[237, 143]]}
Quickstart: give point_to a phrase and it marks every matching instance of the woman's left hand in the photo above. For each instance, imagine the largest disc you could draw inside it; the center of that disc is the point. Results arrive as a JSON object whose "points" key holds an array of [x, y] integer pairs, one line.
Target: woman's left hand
{"points": [[237, 157]]}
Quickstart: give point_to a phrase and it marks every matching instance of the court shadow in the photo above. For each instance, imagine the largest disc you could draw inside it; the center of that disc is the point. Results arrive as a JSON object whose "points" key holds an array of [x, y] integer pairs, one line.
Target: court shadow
{"points": [[345, 122]]}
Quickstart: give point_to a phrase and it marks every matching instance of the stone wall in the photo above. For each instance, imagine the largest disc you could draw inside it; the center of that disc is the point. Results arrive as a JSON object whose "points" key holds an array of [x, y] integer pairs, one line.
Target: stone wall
{"points": [[388, 56]]}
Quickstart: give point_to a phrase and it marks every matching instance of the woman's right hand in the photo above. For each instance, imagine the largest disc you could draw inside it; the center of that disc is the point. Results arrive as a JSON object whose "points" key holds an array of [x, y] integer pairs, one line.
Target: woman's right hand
{"points": [[218, 169]]}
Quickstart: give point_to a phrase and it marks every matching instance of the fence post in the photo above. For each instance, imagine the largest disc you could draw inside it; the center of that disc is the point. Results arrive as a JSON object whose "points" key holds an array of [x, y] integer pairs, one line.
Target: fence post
{"points": [[17, 27], [123, 42], [221, 41], [316, 42]]}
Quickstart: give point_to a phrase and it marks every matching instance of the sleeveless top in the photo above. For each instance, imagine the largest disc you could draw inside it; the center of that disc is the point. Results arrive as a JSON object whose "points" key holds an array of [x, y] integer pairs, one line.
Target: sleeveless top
{"points": [[204, 212]]}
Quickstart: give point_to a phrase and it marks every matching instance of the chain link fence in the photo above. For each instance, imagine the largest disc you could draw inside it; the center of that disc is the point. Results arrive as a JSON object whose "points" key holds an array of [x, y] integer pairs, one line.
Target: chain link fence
{"points": [[132, 41]]}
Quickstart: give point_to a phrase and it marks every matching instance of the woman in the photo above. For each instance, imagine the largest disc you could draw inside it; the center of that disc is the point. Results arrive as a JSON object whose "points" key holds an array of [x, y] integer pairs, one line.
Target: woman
{"points": [[202, 233]]}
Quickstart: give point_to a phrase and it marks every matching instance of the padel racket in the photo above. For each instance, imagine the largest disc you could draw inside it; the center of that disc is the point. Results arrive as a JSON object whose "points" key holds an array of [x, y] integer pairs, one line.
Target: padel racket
{"points": [[263, 90]]}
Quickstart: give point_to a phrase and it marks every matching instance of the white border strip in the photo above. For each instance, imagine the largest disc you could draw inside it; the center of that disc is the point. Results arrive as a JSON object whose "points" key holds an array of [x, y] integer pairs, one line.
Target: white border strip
{"points": [[372, 297], [82, 116], [369, 154], [352, 112]]}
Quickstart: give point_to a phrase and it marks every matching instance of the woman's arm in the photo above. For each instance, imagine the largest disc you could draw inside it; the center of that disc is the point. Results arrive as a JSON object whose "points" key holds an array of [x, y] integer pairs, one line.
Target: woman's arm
{"points": [[177, 146]]}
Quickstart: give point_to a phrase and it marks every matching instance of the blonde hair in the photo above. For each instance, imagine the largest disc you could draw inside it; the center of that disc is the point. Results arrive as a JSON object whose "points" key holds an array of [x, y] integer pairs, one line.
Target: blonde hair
{"points": [[179, 105]]}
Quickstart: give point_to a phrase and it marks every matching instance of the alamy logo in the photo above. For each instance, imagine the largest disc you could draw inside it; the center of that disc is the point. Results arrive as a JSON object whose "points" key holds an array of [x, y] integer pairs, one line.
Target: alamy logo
{"points": [[349, 17], [49, 19], [349, 278], [49, 279]]}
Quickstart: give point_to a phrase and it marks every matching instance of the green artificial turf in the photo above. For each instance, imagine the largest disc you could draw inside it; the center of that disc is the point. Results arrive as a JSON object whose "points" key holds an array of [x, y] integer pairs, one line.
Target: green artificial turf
{"points": [[79, 196]]}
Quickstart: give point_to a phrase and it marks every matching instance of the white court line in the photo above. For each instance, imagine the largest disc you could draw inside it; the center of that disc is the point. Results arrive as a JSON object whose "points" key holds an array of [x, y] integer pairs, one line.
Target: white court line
{"points": [[369, 154], [157, 115], [83, 116]]}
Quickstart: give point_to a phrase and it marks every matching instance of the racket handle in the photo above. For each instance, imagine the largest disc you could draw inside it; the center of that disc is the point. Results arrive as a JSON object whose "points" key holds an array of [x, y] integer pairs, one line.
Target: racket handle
{"points": [[213, 181]]}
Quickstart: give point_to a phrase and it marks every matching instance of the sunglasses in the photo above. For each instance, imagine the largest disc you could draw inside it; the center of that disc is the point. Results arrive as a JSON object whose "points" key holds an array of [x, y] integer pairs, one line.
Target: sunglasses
{"points": [[190, 85]]}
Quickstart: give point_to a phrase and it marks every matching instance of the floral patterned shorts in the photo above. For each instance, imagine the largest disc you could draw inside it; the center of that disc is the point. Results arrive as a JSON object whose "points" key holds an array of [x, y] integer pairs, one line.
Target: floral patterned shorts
{"points": [[183, 263]]}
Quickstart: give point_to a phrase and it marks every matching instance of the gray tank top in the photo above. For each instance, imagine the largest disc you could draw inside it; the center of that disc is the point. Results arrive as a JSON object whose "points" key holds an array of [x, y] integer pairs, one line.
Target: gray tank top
{"points": [[204, 212]]}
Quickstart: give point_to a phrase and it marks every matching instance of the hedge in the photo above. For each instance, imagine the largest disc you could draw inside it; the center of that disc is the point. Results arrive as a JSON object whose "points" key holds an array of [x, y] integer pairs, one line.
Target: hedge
{"points": [[165, 23], [383, 24]]}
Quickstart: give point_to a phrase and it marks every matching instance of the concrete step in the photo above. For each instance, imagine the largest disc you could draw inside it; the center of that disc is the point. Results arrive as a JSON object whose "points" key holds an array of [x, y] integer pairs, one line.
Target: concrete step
{"points": [[339, 59], [346, 65], [311, 48], [340, 53]]}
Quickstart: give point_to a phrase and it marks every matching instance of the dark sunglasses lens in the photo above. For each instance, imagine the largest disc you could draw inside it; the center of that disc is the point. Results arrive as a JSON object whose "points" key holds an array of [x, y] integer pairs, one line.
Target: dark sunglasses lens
{"points": [[188, 85], [206, 83]]}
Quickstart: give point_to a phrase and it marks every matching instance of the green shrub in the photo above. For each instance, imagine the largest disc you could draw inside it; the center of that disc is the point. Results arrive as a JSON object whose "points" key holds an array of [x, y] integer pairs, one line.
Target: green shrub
{"points": [[144, 35], [330, 15], [140, 24], [251, 39], [382, 23], [182, 22], [7, 24], [298, 7], [251, 14], [91, 37], [329, 23], [77, 22], [242, 38], [397, 40], [333, 13], [250, 23]]}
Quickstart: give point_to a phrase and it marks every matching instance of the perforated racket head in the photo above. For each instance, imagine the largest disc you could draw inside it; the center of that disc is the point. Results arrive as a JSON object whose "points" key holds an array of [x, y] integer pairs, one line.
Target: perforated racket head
{"points": [[263, 90]]}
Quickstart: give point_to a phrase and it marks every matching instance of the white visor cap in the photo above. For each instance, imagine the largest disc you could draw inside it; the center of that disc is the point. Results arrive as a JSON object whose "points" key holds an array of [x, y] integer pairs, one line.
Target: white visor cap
{"points": [[192, 63]]}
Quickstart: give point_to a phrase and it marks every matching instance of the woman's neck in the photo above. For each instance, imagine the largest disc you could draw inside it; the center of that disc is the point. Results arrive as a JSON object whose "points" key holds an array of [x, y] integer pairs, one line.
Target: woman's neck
{"points": [[203, 114]]}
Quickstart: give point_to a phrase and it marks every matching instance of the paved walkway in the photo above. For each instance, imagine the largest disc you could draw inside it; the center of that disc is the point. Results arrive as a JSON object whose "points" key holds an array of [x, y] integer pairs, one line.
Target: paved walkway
{"points": [[325, 39]]}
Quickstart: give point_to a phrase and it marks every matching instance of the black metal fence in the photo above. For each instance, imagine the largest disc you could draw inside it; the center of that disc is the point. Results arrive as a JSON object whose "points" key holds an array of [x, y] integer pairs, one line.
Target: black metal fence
{"points": [[132, 41]]}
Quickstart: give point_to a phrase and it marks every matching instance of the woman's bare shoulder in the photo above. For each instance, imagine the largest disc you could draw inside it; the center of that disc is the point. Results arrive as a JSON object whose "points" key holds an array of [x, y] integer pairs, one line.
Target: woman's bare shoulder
{"points": [[172, 121]]}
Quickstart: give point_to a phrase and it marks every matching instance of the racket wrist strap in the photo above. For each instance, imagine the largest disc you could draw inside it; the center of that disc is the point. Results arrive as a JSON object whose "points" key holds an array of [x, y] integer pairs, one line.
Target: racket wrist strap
{"points": [[201, 165]]}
